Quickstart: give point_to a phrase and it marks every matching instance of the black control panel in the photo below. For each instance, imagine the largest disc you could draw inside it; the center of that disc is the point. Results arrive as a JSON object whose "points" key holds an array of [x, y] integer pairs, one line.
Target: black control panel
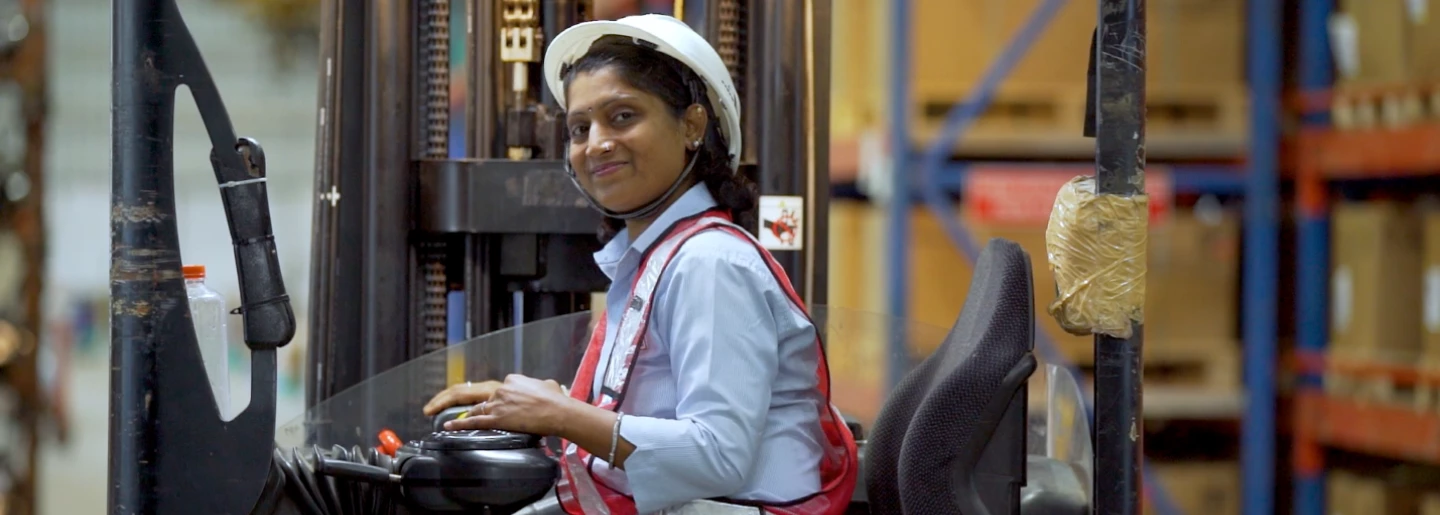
{"points": [[478, 440], [470, 471], [461, 471]]}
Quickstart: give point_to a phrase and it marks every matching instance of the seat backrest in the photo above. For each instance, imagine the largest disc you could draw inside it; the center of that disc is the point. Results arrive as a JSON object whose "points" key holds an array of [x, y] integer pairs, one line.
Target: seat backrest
{"points": [[950, 438]]}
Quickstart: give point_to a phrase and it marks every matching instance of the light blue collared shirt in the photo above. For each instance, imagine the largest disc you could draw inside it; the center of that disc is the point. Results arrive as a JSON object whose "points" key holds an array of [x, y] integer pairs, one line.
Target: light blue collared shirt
{"points": [[723, 398]]}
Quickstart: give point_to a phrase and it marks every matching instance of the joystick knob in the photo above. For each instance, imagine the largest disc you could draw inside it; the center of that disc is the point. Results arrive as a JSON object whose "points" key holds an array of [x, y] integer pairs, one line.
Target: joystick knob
{"points": [[389, 443]]}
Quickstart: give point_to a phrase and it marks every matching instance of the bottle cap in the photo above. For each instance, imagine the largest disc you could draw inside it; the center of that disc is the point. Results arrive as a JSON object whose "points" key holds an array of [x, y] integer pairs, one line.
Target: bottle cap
{"points": [[193, 271]]}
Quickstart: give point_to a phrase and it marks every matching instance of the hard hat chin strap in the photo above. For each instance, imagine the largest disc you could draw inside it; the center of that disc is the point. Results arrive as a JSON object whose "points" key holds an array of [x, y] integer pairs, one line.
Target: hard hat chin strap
{"points": [[643, 211]]}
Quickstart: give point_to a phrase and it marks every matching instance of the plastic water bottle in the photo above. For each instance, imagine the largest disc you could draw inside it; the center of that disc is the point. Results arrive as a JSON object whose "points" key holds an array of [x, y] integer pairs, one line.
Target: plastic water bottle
{"points": [[207, 312]]}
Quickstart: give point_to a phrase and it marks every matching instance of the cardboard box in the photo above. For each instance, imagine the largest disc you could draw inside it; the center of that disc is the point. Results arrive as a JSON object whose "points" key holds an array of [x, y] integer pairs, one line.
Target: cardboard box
{"points": [[1372, 495], [1430, 503], [1424, 38], [1337, 492], [1430, 284], [1375, 297], [937, 274], [857, 339], [1189, 42], [1195, 75], [1343, 493], [1370, 38], [1190, 291], [1401, 490], [1193, 281], [857, 67], [1211, 488]]}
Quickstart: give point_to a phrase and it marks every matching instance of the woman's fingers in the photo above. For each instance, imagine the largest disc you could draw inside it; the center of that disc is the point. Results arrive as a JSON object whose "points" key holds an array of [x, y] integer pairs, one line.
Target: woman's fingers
{"points": [[483, 415], [464, 393], [471, 422], [436, 403], [522, 405], [445, 399]]}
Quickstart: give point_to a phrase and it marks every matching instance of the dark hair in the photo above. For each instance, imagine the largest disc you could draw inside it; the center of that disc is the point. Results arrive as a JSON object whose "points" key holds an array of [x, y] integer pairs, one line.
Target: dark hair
{"points": [[679, 87]]}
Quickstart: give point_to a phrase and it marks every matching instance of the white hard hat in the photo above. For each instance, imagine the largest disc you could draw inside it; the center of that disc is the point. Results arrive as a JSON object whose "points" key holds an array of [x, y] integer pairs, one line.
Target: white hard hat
{"points": [[669, 36]]}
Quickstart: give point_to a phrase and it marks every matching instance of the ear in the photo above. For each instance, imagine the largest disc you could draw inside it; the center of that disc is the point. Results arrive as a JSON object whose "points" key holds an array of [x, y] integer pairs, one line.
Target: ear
{"points": [[694, 122]]}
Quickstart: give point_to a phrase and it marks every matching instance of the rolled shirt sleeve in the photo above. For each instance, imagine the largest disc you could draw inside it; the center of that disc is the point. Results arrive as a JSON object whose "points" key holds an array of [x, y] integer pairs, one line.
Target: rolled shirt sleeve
{"points": [[722, 342]]}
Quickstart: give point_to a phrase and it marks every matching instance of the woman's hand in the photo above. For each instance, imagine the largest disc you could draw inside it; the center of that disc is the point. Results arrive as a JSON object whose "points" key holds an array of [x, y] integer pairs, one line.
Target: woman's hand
{"points": [[462, 394], [523, 405]]}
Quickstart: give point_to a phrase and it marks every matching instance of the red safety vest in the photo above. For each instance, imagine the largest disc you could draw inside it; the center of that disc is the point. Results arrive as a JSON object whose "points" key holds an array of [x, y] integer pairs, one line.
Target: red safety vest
{"points": [[577, 489]]}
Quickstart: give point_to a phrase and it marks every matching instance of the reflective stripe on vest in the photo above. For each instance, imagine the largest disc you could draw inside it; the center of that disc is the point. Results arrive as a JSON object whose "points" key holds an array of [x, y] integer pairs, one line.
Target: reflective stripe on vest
{"points": [[577, 489]]}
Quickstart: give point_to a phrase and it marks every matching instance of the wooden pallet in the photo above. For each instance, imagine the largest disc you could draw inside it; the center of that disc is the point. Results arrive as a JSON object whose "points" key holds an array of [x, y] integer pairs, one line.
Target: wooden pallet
{"points": [[1360, 374], [1426, 396], [1361, 108], [1047, 119], [1193, 383], [1392, 380], [1208, 366]]}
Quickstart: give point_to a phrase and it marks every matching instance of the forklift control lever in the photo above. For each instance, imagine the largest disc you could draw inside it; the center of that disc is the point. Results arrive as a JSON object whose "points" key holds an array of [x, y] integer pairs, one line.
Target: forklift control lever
{"points": [[473, 471]]}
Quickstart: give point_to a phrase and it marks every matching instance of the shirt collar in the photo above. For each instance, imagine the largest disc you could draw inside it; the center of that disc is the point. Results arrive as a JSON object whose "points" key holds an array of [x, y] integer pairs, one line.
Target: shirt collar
{"points": [[694, 201]]}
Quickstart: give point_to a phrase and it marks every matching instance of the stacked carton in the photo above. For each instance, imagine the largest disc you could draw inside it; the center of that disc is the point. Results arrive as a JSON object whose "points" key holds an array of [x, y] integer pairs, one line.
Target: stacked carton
{"points": [[1386, 42]]}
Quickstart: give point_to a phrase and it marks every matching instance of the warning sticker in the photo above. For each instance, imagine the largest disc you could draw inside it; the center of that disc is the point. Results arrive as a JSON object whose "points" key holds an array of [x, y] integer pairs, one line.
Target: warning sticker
{"points": [[781, 220]]}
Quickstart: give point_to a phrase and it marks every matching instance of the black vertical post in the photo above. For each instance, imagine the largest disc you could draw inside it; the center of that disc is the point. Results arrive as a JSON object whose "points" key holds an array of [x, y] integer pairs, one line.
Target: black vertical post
{"points": [[170, 452], [1120, 170], [337, 353], [818, 219], [384, 330], [786, 164], [145, 284]]}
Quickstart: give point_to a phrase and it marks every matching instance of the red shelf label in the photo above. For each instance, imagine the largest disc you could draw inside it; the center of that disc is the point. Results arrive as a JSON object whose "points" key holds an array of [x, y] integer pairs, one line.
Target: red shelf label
{"points": [[1026, 195]]}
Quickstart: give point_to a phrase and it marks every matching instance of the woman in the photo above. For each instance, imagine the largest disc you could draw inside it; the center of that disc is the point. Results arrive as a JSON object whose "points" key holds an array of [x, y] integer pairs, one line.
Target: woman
{"points": [[705, 388]]}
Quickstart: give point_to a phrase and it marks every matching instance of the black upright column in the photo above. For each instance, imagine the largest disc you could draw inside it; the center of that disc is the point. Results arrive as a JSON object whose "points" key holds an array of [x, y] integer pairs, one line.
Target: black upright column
{"points": [[1120, 170], [142, 248]]}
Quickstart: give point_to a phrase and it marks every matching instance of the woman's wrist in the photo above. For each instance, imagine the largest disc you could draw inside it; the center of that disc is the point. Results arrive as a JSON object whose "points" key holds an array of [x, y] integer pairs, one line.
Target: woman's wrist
{"points": [[593, 428], [571, 414], [579, 419]]}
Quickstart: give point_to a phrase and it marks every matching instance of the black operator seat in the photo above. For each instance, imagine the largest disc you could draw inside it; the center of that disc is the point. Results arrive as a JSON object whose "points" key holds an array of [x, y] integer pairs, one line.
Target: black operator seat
{"points": [[950, 438]]}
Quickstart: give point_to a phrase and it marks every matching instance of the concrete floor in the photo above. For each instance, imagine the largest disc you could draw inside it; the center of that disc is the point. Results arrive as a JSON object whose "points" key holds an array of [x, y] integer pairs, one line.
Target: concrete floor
{"points": [[73, 477]]}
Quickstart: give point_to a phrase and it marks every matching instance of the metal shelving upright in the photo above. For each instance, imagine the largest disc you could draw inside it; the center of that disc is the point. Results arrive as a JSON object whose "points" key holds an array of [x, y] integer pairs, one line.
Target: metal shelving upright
{"points": [[1259, 311], [897, 278], [1323, 158], [1312, 265], [1259, 185]]}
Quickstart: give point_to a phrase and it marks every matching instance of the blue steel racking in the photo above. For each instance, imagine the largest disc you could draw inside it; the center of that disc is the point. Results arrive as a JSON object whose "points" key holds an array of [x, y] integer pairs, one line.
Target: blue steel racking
{"points": [[1323, 155], [1259, 313], [1312, 254], [1259, 184]]}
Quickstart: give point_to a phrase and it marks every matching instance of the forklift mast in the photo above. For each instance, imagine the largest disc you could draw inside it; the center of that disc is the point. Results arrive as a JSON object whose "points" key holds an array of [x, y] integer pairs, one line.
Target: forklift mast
{"points": [[445, 211]]}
